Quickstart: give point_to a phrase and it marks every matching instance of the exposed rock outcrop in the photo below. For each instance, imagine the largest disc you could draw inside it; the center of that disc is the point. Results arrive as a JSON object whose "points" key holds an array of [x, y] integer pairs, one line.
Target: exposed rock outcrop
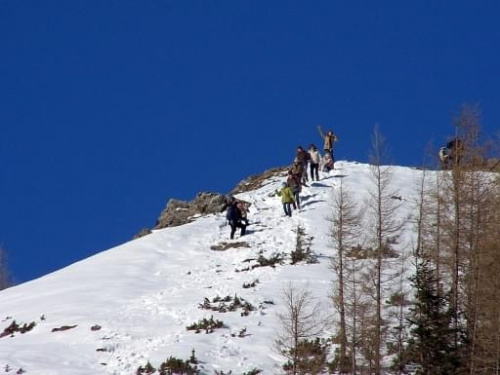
{"points": [[142, 233], [180, 212], [257, 181]]}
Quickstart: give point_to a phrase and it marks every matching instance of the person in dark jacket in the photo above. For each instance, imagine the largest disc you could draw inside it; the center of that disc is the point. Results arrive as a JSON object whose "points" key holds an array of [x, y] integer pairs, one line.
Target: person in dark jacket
{"points": [[295, 183], [234, 218], [303, 157], [298, 170]]}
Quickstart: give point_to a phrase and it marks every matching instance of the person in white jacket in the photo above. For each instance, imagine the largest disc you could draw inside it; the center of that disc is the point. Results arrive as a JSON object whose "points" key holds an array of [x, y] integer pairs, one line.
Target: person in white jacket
{"points": [[326, 163], [314, 162]]}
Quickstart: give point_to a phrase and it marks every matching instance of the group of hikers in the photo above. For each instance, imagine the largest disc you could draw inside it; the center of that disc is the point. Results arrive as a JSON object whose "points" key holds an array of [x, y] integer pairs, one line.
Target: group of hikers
{"points": [[297, 176], [236, 213]]}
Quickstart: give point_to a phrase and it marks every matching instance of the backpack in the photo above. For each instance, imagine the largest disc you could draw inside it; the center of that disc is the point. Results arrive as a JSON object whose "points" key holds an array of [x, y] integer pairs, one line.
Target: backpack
{"points": [[232, 213]]}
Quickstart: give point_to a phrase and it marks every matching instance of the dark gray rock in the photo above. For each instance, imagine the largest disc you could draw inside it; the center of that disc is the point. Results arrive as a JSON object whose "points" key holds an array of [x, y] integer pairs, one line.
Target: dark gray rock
{"points": [[181, 212]]}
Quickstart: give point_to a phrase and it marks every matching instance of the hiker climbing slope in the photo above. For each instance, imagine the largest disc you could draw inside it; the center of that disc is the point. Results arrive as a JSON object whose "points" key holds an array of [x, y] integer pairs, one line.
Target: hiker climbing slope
{"points": [[295, 183], [287, 200], [234, 218], [303, 157]]}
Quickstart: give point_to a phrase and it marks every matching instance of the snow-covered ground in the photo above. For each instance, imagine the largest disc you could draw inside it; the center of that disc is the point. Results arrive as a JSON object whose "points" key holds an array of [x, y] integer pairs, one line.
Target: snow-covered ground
{"points": [[144, 293]]}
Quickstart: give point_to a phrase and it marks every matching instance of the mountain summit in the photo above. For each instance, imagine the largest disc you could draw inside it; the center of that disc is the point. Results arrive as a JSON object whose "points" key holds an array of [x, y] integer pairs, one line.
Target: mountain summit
{"points": [[121, 309]]}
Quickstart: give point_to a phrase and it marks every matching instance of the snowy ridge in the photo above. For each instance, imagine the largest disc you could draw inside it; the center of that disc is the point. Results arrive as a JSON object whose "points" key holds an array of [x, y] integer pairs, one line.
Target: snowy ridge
{"points": [[144, 293]]}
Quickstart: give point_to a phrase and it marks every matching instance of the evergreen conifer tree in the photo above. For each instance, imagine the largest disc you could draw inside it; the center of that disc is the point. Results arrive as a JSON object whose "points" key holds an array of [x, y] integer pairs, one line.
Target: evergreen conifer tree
{"points": [[433, 343]]}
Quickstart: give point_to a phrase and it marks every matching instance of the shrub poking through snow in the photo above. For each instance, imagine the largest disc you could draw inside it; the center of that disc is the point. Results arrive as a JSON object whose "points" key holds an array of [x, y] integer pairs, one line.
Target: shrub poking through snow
{"points": [[227, 304], [302, 252], [14, 327], [310, 356], [243, 333], [177, 366], [254, 371], [193, 360], [209, 325], [275, 259], [171, 366], [148, 369], [250, 285], [262, 261], [360, 252], [242, 269], [398, 299]]}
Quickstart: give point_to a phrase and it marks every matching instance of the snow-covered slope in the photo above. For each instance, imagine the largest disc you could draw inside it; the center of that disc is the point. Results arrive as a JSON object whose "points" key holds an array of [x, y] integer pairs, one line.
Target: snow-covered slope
{"points": [[144, 293]]}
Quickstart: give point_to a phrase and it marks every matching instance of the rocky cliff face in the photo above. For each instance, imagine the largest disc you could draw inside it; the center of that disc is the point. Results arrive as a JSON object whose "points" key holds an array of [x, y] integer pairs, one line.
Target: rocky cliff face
{"points": [[179, 212]]}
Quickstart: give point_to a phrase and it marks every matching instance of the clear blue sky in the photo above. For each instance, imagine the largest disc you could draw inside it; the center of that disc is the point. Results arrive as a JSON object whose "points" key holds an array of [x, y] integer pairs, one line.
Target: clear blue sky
{"points": [[110, 108]]}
